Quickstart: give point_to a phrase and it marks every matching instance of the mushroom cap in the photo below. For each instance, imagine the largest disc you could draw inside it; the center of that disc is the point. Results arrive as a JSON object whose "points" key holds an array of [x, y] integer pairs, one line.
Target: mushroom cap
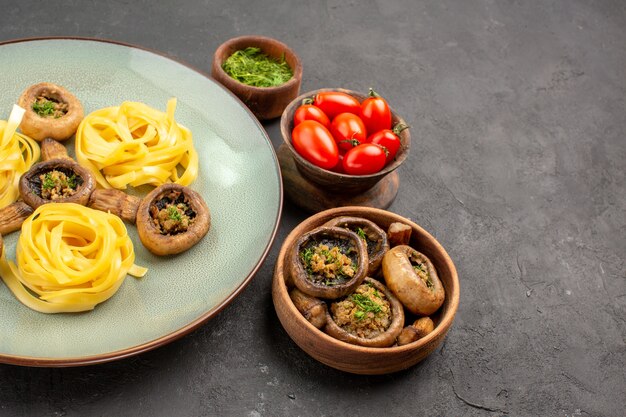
{"points": [[384, 339], [150, 234], [30, 184], [376, 250], [404, 282], [38, 127], [300, 276]]}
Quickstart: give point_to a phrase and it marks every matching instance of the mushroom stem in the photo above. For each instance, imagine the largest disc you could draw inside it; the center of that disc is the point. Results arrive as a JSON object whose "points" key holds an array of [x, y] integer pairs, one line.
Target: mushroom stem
{"points": [[51, 149], [13, 215], [116, 202], [313, 309]]}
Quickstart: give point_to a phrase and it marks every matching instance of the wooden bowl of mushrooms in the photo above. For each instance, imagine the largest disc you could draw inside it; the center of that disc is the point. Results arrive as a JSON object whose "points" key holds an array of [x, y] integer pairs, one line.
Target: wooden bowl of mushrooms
{"points": [[364, 290]]}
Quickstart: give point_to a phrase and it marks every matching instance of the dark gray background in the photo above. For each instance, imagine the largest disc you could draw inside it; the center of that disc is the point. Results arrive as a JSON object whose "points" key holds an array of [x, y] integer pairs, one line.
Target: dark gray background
{"points": [[517, 166]]}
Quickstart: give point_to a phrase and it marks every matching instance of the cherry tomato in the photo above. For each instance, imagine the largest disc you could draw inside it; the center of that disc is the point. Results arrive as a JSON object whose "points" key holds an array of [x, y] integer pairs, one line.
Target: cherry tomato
{"points": [[315, 143], [339, 167], [364, 159], [389, 139], [375, 113], [335, 102], [348, 130], [307, 111]]}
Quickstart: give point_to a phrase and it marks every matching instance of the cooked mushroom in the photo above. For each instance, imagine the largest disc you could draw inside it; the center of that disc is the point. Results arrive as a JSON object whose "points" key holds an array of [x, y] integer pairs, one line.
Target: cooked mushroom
{"points": [[399, 234], [375, 238], [313, 309], [51, 112], [51, 149], [420, 328], [56, 180], [371, 316], [171, 219], [115, 202], [328, 262], [13, 215], [412, 277]]}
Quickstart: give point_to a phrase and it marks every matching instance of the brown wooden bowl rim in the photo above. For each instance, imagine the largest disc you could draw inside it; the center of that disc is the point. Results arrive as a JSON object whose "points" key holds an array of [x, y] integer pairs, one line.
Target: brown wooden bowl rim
{"points": [[452, 294], [258, 41], [286, 134]]}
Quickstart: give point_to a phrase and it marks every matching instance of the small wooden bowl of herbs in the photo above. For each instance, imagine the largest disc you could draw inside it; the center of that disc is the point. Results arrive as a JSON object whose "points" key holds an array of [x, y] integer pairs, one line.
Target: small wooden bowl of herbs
{"points": [[264, 73]]}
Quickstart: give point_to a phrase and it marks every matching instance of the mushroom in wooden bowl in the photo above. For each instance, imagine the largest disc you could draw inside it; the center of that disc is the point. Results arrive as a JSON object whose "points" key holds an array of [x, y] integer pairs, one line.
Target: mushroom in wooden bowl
{"points": [[359, 333], [263, 72]]}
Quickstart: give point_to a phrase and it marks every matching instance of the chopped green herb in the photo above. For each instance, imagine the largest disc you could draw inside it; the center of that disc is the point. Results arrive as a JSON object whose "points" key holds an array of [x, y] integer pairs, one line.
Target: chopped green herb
{"points": [[173, 213], [359, 315], [252, 67], [48, 181], [71, 181], [306, 256], [44, 108], [365, 304], [361, 234]]}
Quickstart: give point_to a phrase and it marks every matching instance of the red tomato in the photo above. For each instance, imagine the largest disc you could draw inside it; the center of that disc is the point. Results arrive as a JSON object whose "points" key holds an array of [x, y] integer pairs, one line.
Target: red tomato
{"points": [[334, 102], [389, 139], [375, 113], [364, 159], [307, 111], [315, 143], [339, 167], [348, 130]]}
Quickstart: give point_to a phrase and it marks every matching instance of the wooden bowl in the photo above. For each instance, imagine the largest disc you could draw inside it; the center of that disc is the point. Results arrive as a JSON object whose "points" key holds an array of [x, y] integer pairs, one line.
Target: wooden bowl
{"points": [[333, 181], [358, 359], [264, 102]]}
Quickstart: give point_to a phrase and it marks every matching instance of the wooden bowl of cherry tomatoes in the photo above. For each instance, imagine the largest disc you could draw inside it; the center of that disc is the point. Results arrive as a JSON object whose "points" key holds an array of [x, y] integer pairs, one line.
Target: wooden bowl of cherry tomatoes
{"points": [[344, 141]]}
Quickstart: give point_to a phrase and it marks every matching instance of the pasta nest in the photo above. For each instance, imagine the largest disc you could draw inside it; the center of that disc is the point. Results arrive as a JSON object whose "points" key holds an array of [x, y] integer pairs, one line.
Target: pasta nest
{"points": [[134, 144], [69, 258], [18, 153]]}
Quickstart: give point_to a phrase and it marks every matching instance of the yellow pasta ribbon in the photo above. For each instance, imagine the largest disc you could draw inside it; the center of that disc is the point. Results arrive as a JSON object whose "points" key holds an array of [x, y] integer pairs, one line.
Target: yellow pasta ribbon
{"points": [[18, 153], [134, 144], [69, 258]]}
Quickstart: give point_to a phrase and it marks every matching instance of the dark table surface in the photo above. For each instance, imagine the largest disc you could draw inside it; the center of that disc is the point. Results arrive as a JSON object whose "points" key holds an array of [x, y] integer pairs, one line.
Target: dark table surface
{"points": [[517, 166]]}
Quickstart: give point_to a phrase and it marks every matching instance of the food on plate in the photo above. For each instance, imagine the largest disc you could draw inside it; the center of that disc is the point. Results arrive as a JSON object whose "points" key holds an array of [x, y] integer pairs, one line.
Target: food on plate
{"points": [[333, 103], [364, 159], [171, 219], [69, 258], [17, 154], [399, 234], [315, 143], [13, 215], [115, 202], [56, 180], [375, 112], [374, 237], [134, 144], [313, 309], [252, 67], [51, 112], [420, 328], [307, 111], [412, 277], [348, 130], [370, 316], [388, 139], [51, 149], [328, 262]]}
